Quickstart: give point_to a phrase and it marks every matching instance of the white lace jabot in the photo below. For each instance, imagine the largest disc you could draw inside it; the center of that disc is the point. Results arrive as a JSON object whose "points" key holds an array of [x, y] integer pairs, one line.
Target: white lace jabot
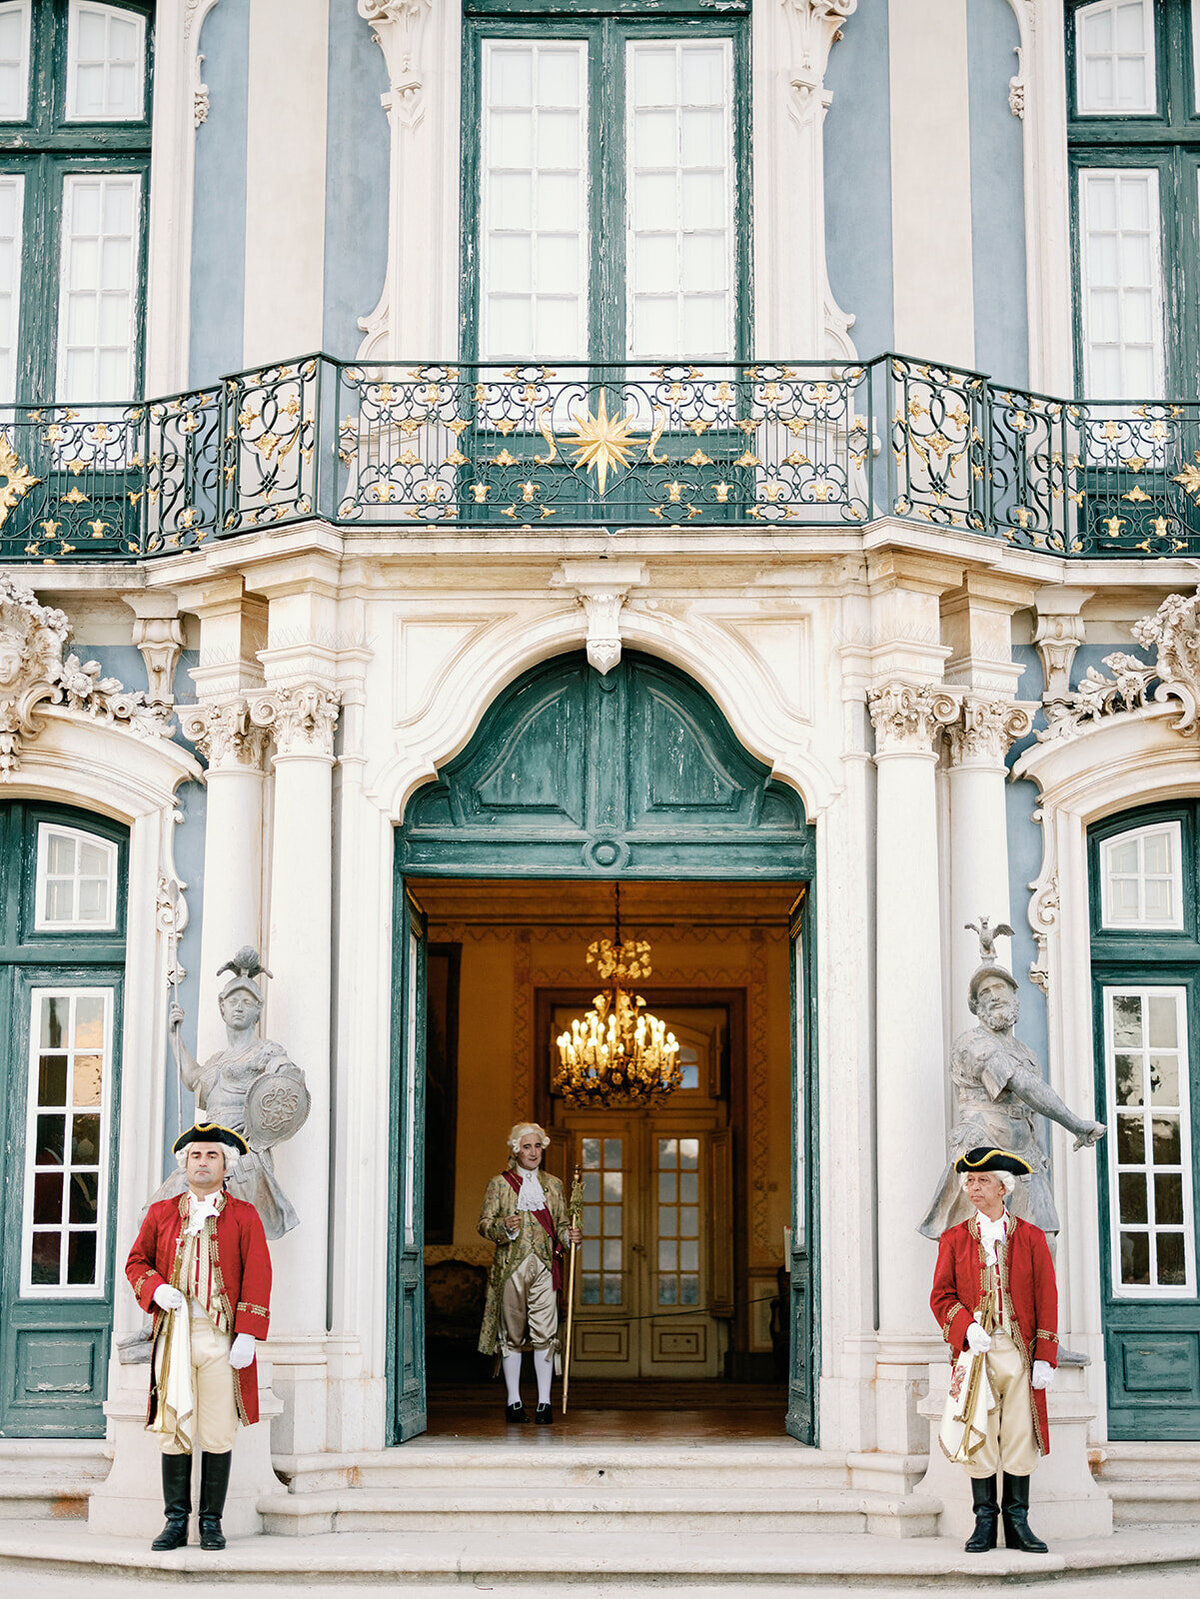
{"points": [[531, 1196], [991, 1233]]}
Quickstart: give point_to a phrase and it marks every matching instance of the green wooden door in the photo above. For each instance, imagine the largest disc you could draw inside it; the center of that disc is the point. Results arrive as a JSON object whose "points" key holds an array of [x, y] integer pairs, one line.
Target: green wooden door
{"points": [[1146, 988], [408, 1168], [571, 775], [62, 954], [802, 1364]]}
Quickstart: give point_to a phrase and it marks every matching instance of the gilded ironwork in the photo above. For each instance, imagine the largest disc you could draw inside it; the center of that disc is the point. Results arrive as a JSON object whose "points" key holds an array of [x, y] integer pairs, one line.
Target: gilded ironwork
{"points": [[523, 447]]}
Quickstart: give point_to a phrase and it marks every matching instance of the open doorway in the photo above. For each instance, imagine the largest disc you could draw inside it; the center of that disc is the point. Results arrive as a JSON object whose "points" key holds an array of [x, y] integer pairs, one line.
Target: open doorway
{"points": [[681, 1304]]}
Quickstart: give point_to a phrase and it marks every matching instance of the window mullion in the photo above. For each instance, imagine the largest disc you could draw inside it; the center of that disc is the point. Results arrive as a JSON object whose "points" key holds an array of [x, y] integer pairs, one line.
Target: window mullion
{"points": [[607, 318]]}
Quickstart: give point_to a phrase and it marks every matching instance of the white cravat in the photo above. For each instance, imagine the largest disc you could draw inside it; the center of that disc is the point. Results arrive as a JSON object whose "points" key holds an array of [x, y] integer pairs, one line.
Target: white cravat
{"points": [[531, 1196], [991, 1233], [199, 1210]]}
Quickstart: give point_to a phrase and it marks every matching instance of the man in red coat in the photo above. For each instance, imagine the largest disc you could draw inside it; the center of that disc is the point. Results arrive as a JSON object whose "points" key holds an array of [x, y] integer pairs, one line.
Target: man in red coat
{"points": [[201, 1263], [994, 1293]]}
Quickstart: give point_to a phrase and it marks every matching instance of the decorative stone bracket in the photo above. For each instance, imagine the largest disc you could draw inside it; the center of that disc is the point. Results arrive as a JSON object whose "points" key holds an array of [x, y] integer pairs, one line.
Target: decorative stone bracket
{"points": [[816, 25], [34, 674], [397, 26], [1173, 634], [602, 587]]}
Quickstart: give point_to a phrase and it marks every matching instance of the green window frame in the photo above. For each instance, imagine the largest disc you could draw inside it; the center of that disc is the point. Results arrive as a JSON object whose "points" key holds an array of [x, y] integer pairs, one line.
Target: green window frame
{"points": [[48, 150], [1165, 141], [606, 30]]}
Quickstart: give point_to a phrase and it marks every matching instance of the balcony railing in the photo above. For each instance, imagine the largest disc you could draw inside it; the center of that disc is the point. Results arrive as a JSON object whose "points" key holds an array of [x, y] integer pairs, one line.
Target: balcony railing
{"points": [[490, 449]]}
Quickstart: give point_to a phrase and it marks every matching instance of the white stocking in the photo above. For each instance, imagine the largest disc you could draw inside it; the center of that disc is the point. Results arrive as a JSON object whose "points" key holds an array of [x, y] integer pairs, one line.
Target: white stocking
{"points": [[543, 1367], [511, 1365]]}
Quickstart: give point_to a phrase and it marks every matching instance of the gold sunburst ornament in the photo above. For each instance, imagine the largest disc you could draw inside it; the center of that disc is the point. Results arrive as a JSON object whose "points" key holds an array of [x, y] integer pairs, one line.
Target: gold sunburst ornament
{"points": [[17, 479], [603, 444]]}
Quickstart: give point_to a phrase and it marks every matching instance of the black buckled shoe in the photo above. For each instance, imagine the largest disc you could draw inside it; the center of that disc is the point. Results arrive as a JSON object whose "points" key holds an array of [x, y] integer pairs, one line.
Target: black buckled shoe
{"points": [[987, 1516], [543, 1415], [177, 1501], [1014, 1509], [515, 1413], [214, 1483]]}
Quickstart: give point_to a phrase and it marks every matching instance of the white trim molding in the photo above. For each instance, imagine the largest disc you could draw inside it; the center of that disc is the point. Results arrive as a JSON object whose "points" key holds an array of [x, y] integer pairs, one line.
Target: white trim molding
{"points": [[175, 118], [1039, 89], [795, 314]]}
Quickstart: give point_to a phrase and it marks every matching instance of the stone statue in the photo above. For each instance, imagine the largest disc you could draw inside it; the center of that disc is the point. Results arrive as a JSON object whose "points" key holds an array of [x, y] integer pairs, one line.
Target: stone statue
{"points": [[998, 1091], [251, 1087]]}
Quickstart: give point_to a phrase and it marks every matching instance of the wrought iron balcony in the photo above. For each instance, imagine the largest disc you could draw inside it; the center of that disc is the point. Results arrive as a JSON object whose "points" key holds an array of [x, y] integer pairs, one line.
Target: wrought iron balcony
{"points": [[491, 449]]}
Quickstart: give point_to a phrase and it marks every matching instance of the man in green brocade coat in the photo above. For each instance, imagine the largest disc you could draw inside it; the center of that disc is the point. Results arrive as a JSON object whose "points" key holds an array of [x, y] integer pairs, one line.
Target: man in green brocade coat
{"points": [[525, 1215]]}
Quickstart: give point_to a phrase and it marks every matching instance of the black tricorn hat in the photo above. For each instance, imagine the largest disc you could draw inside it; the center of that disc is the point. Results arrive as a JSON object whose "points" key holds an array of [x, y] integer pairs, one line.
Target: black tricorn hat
{"points": [[210, 1133], [985, 1159]]}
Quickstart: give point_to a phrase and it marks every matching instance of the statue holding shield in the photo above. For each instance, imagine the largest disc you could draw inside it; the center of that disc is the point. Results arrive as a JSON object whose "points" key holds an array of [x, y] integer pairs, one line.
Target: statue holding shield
{"points": [[252, 1087]]}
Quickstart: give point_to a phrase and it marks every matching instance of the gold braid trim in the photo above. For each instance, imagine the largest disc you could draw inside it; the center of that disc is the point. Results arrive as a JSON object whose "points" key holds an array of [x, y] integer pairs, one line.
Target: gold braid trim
{"points": [[254, 1310], [954, 1310], [1046, 1337]]}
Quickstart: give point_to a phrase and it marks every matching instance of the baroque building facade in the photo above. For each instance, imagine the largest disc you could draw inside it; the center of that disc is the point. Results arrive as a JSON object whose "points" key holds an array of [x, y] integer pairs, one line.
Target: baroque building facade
{"points": [[462, 457]]}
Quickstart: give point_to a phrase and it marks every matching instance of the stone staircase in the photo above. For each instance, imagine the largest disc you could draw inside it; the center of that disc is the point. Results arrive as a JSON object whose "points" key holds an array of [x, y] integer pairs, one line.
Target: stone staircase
{"points": [[1151, 1484], [448, 1486], [49, 1478]]}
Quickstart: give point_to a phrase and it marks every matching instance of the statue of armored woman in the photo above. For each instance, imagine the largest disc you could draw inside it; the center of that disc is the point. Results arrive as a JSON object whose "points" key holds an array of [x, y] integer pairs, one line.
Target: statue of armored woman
{"points": [[252, 1087]]}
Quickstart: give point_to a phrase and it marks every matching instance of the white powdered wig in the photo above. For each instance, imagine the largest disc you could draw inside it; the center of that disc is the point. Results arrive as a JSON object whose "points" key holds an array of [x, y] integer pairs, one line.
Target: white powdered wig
{"points": [[1007, 1181], [524, 1128]]}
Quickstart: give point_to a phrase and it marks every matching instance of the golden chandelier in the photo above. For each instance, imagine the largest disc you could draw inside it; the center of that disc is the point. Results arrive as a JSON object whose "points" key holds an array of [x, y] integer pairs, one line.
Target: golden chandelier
{"points": [[617, 1053]]}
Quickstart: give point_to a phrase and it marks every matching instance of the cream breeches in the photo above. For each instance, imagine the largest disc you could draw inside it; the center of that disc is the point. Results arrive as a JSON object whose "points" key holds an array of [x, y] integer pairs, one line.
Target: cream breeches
{"points": [[215, 1421], [528, 1308], [1011, 1443]]}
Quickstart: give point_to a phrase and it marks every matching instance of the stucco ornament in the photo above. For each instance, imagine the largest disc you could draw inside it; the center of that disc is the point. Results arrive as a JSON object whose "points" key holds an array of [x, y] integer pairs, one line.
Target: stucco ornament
{"points": [[397, 28], [999, 1091], [1173, 635], [251, 1086], [909, 716], [816, 25], [35, 674]]}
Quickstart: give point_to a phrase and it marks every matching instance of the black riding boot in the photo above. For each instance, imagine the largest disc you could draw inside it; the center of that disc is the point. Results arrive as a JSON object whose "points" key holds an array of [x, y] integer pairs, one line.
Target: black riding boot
{"points": [[987, 1514], [1015, 1509], [214, 1480], [177, 1501]]}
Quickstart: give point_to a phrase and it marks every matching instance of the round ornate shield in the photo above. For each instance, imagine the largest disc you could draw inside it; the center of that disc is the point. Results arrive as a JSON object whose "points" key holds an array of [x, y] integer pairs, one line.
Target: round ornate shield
{"points": [[276, 1107]]}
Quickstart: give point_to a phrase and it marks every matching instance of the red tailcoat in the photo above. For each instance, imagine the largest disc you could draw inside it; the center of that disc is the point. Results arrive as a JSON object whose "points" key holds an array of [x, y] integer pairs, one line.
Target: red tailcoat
{"points": [[241, 1276], [1028, 1285]]}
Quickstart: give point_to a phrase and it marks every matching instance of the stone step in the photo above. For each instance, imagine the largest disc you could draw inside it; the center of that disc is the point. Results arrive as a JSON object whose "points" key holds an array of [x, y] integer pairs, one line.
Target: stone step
{"points": [[1145, 1462], [593, 1509], [1151, 1484], [722, 1557], [51, 1478], [423, 1464]]}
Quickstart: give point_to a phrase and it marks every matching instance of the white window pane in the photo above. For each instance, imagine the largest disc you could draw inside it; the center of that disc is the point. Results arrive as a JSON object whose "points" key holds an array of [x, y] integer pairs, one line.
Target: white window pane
{"points": [[12, 199], [1149, 1158], [106, 50], [14, 61], [533, 226], [679, 142], [1141, 878], [96, 325], [76, 875], [1121, 283], [1114, 48]]}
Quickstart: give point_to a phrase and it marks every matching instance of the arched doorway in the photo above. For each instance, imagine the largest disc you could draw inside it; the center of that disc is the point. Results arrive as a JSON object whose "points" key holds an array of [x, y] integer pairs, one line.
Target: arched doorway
{"points": [[586, 780]]}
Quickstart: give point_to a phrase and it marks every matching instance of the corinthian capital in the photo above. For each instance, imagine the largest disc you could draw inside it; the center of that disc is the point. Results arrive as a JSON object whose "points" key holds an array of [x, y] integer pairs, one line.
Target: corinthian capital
{"points": [[983, 731], [815, 24], [302, 718], [907, 717], [397, 28], [224, 734]]}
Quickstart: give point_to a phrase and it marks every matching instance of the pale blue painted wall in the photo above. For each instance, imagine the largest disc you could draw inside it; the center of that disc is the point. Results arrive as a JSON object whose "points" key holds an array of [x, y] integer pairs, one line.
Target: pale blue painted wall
{"points": [[997, 195], [356, 184], [858, 180], [219, 226]]}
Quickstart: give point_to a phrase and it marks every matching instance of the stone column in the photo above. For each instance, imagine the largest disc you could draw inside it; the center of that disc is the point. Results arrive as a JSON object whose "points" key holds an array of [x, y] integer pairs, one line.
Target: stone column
{"points": [[978, 740], [910, 1059], [302, 717], [233, 839]]}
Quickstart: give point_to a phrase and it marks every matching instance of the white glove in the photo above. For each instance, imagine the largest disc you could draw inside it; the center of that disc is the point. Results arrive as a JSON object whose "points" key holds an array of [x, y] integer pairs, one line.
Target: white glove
{"points": [[1043, 1374], [241, 1351], [168, 1298], [978, 1342]]}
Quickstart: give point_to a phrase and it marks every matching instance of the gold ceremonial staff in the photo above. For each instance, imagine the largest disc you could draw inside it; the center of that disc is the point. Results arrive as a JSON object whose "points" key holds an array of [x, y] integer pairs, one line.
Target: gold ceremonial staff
{"points": [[575, 1213]]}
